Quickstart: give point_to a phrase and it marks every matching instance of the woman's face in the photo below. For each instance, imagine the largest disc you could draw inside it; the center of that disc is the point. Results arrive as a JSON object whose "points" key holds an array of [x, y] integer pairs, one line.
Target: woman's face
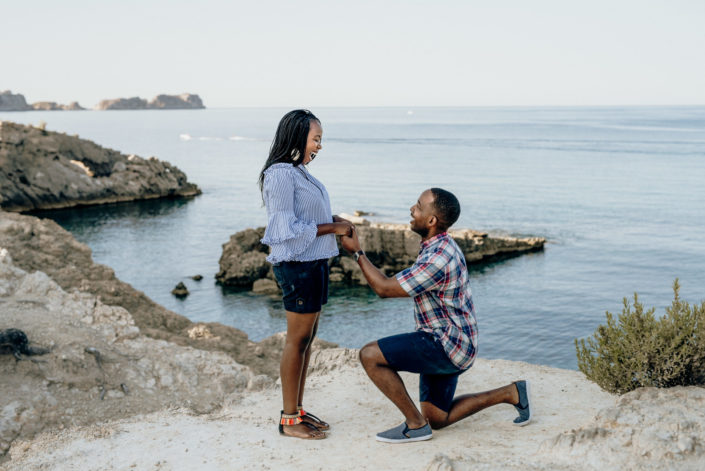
{"points": [[313, 143]]}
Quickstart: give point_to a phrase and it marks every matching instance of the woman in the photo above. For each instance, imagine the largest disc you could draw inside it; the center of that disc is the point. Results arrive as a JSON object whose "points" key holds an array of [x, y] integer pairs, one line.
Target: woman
{"points": [[301, 234]]}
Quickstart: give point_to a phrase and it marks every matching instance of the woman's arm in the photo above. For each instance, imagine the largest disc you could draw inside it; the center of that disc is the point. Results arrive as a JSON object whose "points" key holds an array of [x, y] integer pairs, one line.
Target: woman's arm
{"points": [[338, 228]]}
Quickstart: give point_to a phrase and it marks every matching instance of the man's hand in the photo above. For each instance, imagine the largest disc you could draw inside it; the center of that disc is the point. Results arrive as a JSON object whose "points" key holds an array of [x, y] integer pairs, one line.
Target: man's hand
{"points": [[350, 242]]}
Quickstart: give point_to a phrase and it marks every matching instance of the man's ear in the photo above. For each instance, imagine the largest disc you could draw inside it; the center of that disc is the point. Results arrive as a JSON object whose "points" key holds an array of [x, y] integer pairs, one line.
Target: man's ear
{"points": [[433, 221]]}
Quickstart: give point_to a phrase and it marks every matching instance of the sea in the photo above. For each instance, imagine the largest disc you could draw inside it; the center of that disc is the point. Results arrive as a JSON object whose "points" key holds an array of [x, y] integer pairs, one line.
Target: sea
{"points": [[618, 192]]}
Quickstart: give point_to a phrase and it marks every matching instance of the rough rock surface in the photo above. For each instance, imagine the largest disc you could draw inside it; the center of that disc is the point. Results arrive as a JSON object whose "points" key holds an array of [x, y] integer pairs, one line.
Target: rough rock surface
{"points": [[53, 106], [41, 244], [13, 102], [243, 434], [646, 428], [44, 170], [99, 367], [392, 247], [160, 102]]}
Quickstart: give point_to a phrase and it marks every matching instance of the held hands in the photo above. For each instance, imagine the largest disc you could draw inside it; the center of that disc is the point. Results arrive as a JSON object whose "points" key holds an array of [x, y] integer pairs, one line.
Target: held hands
{"points": [[350, 242], [344, 227]]}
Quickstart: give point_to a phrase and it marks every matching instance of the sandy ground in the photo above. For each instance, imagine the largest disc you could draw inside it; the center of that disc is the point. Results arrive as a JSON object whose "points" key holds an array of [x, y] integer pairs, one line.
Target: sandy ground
{"points": [[243, 435]]}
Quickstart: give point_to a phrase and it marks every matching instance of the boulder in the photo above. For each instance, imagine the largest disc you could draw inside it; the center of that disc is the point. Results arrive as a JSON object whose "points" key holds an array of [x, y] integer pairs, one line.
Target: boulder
{"points": [[243, 260], [180, 290], [41, 169], [13, 102], [265, 286]]}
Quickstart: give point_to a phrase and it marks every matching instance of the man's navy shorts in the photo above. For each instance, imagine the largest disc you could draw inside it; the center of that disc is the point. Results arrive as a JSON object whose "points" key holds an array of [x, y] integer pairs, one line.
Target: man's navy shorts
{"points": [[421, 352], [304, 285]]}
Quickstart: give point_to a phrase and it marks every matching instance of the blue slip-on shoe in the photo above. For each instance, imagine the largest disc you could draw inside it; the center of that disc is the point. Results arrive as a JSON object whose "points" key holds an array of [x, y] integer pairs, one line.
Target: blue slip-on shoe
{"points": [[524, 406], [403, 434]]}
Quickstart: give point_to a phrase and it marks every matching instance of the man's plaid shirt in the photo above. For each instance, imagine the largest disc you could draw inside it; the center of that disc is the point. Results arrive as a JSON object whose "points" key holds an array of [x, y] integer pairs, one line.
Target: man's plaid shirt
{"points": [[438, 282]]}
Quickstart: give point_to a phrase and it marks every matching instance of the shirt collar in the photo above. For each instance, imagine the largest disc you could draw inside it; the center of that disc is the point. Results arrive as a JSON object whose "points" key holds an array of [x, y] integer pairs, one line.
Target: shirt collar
{"points": [[437, 238]]}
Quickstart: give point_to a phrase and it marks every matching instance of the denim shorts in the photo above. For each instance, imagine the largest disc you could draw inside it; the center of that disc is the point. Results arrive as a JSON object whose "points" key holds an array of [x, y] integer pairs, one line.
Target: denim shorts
{"points": [[421, 352], [304, 285]]}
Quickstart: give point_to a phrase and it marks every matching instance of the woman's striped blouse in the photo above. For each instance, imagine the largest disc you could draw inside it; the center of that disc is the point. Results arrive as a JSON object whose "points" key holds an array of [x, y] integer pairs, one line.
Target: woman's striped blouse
{"points": [[296, 203]]}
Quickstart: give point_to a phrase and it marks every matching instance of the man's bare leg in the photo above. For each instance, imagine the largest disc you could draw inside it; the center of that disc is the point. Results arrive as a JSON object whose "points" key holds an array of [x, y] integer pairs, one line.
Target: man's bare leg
{"points": [[390, 383], [468, 404]]}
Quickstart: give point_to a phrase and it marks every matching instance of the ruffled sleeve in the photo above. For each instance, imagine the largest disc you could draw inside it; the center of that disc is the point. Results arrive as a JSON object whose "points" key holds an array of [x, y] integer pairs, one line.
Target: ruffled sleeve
{"points": [[283, 227]]}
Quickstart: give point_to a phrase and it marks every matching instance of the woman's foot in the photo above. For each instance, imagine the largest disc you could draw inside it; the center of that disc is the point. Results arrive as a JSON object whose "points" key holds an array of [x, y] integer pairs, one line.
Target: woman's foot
{"points": [[292, 425], [311, 419]]}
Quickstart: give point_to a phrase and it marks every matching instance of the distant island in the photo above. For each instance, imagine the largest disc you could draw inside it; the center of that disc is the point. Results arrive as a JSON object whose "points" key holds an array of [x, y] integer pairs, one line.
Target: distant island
{"points": [[186, 101], [16, 102]]}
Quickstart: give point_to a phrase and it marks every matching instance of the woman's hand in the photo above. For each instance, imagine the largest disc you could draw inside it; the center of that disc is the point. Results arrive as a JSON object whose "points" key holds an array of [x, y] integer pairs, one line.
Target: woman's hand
{"points": [[337, 228], [344, 228]]}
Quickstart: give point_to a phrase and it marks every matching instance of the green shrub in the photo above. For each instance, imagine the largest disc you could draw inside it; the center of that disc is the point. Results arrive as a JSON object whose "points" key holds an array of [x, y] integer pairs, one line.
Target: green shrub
{"points": [[637, 349]]}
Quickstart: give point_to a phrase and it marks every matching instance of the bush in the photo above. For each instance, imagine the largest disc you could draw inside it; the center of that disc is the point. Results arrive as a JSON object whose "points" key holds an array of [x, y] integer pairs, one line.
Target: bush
{"points": [[637, 349]]}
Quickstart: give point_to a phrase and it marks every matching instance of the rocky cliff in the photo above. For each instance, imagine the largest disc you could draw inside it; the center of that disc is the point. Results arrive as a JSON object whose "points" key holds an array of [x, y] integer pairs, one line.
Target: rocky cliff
{"points": [[392, 247], [13, 102], [160, 102], [45, 170], [16, 102], [42, 245]]}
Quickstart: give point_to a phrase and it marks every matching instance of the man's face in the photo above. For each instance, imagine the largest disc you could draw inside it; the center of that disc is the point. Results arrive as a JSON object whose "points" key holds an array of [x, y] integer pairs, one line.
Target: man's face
{"points": [[422, 213]]}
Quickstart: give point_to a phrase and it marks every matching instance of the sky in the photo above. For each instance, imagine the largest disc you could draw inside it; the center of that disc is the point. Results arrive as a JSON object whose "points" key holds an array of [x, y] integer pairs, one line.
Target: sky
{"points": [[357, 53]]}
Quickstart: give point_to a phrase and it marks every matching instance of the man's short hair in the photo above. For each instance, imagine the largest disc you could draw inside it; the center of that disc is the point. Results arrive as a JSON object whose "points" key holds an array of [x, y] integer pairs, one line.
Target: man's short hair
{"points": [[447, 207]]}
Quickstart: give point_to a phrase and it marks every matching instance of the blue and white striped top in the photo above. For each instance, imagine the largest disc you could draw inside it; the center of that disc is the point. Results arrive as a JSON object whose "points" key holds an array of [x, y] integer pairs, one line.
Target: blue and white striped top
{"points": [[296, 204]]}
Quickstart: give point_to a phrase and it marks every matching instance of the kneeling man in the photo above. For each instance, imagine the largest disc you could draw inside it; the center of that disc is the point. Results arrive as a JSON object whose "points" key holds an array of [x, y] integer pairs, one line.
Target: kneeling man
{"points": [[444, 344]]}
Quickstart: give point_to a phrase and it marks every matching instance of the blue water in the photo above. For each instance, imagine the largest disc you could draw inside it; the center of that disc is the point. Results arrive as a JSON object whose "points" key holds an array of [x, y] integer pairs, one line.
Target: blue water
{"points": [[618, 193]]}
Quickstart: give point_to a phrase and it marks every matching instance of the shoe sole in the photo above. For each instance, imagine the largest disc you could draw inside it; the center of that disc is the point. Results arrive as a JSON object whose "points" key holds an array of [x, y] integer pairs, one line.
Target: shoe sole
{"points": [[531, 406], [403, 440]]}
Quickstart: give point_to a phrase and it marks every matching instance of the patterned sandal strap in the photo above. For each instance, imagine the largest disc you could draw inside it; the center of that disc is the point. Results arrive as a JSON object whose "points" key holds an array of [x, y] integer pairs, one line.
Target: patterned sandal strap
{"points": [[290, 419]]}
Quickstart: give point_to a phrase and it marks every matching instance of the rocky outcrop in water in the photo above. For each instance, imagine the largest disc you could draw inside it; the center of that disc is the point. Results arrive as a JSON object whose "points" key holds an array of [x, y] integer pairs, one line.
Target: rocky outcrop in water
{"points": [[13, 102], [185, 101], [16, 102], [41, 169], [53, 106], [392, 247]]}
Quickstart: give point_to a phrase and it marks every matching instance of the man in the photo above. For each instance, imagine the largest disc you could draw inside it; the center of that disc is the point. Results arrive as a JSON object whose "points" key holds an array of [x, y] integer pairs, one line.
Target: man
{"points": [[444, 343]]}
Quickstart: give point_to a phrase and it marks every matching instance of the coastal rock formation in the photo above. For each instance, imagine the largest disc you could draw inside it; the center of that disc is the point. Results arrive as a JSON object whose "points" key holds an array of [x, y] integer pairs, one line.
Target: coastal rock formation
{"points": [[98, 366], [45, 170], [134, 103], [53, 106], [41, 244], [13, 102], [185, 101], [641, 431], [392, 247]]}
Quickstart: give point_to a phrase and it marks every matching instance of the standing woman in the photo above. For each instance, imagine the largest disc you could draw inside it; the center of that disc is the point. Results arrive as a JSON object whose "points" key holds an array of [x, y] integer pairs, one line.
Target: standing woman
{"points": [[301, 234]]}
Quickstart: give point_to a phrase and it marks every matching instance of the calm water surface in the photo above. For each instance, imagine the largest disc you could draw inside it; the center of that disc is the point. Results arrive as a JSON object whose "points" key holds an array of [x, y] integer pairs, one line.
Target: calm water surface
{"points": [[618, 193]]}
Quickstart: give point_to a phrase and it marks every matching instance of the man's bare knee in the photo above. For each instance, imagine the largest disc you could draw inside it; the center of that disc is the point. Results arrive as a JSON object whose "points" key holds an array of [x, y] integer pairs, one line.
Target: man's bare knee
{"points": [[437, 418], [369, 355]]}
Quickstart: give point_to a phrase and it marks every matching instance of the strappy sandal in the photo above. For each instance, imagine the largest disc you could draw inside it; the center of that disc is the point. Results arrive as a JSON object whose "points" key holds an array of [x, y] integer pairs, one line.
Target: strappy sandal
{"points": [[295, 419], [313, 420]]}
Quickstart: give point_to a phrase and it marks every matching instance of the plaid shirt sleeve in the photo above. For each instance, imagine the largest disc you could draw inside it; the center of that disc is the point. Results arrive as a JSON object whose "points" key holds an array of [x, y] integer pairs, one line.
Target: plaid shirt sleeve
{"points": [[422, 276]]}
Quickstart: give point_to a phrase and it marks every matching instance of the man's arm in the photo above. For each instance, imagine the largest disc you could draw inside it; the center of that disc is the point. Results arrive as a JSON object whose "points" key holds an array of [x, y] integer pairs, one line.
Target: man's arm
{"points": [[384, 286]]}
